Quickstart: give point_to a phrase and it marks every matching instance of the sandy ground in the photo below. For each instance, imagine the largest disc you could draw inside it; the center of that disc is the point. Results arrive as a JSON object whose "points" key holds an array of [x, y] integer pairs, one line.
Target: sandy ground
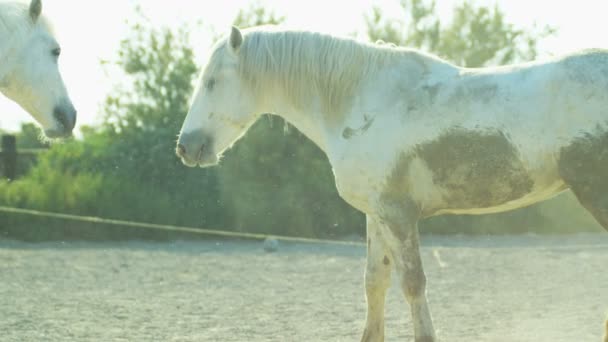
{"points": [[522, 288]]}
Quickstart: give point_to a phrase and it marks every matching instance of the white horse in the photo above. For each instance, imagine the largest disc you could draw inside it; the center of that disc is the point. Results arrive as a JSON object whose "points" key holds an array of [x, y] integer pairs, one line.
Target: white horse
{"points": [[411, 136], [29, 73]]}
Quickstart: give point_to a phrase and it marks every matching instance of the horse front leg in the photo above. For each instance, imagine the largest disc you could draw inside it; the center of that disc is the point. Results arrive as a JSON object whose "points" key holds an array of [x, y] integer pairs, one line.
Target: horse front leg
{"points": [[402, 220], [377, 282]]}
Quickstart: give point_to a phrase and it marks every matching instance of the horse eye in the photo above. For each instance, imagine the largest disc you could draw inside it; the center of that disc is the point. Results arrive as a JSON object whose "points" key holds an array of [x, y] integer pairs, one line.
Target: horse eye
{"points": [[210, 84], [56, 52]]}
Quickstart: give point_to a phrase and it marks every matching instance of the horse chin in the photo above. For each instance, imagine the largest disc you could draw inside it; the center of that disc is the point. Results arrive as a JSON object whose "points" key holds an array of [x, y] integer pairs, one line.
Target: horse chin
{"points": [[55, 133], [189, 163], [208, 161], [60, 130], [204, 161]]}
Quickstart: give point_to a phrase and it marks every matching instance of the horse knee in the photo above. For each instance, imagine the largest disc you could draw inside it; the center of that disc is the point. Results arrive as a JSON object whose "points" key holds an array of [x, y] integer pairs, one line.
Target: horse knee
{"points": [[377, 276], [414, 284]]}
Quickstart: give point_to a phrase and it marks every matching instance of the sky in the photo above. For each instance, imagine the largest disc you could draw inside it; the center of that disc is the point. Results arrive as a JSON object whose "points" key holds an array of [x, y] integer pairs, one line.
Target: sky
{"points": [[90, 32]]}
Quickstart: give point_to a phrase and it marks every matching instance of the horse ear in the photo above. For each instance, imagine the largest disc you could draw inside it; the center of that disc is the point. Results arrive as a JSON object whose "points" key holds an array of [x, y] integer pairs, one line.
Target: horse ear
{"points": [[35, 9], [236, 39]]}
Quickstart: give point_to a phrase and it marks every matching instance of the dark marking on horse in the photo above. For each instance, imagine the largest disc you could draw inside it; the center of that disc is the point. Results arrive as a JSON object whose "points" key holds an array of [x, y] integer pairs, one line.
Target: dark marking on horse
{"points": [[583, 165], [348, 132], [432, 91], [368, 124], [485, 92], [479, 169], [396, 185], [385, 260], [422, 97]]}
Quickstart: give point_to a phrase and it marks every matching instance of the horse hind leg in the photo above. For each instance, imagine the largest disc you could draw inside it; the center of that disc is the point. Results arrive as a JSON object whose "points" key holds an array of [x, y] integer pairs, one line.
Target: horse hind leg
{"points": [[405, 248], [583, 165], [595, 202], [413, 283]]}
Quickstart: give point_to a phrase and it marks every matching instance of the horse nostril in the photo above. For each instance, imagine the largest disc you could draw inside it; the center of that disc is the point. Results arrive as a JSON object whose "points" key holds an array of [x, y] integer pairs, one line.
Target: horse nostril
{"points": [[66, 118], [181, 150]]}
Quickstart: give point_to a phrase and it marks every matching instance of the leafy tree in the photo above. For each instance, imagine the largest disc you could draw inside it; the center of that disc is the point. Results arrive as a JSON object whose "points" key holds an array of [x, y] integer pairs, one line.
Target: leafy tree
{"points": [[160, 64], [29, 137], [475, 36], [257, 15]]}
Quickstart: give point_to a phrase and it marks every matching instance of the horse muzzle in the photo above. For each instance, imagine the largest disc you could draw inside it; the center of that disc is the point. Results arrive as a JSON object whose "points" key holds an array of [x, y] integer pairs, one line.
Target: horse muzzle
{"points": [[195, 149], [65, 120]]}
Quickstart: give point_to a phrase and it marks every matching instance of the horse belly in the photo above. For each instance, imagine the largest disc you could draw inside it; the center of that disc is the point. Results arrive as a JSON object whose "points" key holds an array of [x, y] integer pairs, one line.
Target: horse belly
{"points": [[477, 172], [531, 198]]}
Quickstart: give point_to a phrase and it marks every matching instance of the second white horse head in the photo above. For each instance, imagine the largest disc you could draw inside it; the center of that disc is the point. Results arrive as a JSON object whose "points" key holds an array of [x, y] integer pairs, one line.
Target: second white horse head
{"points": [[29, 70]]}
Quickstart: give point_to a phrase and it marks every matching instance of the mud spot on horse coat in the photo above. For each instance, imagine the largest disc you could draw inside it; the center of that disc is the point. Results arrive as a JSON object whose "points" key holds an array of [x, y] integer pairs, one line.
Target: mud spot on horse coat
{"points": [[484, 91], [432, 91], [584, 163], [348, 132], [466, 170], [385, 260], [478, 169]]}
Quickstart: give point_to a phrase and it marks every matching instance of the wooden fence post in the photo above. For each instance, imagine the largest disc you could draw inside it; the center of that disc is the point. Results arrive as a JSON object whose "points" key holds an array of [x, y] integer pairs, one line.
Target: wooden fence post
{"points": [[9, 156]]}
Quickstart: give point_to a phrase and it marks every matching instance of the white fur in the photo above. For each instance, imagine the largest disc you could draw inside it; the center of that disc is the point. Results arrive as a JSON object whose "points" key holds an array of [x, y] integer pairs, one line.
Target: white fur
{"points": [[366, 105], [29, 73]]}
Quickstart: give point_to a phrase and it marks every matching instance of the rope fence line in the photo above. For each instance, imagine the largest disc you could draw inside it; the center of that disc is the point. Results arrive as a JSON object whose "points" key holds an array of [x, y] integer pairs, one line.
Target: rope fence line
{"points": [[173, 228]]}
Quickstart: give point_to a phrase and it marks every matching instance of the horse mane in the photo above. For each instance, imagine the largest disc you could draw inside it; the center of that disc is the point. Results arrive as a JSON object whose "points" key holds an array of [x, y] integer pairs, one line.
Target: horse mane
{"points": [[307, 65]]}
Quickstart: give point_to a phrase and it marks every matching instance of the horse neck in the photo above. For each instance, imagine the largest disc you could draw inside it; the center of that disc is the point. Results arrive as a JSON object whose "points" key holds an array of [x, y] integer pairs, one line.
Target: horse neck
{"points": [[308, 79], [307, 120]]}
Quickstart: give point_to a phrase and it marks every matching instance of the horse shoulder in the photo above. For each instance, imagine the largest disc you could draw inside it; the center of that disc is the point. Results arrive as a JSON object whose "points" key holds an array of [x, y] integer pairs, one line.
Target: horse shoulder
{"points": [[362, 155]]}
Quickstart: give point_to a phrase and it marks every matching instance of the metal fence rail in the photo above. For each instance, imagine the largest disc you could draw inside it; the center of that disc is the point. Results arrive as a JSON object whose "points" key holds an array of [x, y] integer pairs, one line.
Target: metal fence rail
{"points": [[173, 228]]}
